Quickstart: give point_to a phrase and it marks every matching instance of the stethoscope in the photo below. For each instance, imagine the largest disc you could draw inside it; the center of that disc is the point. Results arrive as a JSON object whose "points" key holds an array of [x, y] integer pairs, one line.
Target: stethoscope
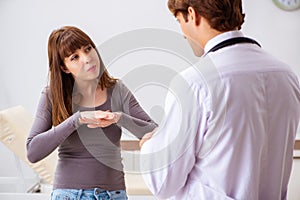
{"points": [[232, 41]]}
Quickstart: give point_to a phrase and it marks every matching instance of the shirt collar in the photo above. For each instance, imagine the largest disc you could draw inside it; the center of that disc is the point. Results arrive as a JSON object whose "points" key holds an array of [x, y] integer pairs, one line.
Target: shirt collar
{"points": [[220, 38]]}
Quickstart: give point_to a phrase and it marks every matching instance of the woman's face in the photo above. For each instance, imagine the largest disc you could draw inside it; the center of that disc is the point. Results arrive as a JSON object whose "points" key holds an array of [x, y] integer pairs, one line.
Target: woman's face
{"points": [[83, 64]]}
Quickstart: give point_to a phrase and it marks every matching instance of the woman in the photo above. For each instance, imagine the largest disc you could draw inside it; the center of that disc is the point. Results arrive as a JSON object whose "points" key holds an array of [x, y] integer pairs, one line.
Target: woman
{"points": [[81, 112]]}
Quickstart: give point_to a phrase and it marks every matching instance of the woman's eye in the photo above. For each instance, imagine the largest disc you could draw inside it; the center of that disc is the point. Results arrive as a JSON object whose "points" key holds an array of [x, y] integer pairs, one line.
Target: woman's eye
{"points": [[74, 57], [88, 48]]}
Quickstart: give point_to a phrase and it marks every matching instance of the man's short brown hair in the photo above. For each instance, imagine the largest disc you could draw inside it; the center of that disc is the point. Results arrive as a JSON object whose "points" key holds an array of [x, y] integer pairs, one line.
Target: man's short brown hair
{"points": [[222, 15]]}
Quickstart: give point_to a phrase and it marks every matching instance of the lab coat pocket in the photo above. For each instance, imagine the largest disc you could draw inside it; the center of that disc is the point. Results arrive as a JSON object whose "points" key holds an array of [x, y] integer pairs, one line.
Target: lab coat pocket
{"points": [[199, 191]]}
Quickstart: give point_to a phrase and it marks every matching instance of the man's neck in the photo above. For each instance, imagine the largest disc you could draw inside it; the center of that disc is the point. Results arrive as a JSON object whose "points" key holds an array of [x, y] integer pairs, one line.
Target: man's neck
{"points": [[206, 32]]}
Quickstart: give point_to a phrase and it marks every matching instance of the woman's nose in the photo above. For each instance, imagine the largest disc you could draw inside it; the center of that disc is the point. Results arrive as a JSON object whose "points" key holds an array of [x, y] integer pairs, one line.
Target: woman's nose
{"points": [[86, 59]]}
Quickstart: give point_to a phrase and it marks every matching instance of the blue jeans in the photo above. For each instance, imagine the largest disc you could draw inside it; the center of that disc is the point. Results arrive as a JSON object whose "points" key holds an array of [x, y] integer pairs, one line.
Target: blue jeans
{"points": [[92, 194]]}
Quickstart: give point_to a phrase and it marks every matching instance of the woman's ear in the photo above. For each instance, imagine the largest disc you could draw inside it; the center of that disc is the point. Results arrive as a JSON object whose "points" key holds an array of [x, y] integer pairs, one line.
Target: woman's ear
{"points": [[64, 69], [193, 15]]}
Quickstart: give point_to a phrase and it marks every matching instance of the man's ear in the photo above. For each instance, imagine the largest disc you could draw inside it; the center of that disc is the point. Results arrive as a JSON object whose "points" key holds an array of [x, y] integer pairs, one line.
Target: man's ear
{"points": [[64, 69], [193, 15]]}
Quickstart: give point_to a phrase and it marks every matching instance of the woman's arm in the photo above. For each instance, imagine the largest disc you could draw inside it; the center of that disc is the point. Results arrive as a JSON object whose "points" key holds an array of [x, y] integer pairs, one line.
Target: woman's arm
{"points": [[43, 138], [126, 112], [133, 117]]}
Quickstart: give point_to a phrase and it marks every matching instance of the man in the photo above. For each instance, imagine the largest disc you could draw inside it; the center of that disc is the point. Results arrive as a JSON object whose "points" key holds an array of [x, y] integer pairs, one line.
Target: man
{"points": [[231, 119]]}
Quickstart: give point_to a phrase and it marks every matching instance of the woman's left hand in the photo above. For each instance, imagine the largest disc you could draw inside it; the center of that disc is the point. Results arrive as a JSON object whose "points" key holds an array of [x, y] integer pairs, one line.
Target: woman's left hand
{"points": [[99, 118], [146, 137]]}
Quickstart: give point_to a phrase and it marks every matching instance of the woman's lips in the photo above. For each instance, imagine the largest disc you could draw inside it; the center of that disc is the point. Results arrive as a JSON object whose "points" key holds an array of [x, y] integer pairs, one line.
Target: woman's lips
{"points": [[92, 69]]}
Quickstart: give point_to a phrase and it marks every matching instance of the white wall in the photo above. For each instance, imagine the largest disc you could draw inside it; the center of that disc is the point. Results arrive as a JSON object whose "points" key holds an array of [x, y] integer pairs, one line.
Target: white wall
{"points": [[26, 24]]}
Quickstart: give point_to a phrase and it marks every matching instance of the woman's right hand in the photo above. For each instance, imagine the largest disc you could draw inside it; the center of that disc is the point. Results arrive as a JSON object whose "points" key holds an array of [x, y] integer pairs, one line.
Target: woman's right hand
{"points": [[98, 118]]}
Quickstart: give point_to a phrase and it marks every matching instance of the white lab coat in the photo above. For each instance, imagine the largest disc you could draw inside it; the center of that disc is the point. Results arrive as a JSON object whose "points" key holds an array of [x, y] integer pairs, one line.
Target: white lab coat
{"points": [[229, 128]]}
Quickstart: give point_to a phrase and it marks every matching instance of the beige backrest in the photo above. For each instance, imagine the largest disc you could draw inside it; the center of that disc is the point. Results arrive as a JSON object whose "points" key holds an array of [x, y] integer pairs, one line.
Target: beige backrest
{"points": [[15, 124]]}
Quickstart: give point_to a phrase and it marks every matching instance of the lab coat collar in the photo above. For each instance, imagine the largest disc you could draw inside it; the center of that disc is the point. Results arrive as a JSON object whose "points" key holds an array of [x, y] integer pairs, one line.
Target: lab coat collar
{"points": [[220, 38]]}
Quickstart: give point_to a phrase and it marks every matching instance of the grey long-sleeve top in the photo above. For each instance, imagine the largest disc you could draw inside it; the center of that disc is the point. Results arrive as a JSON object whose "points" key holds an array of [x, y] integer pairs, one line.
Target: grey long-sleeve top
{"points": [[88, 158]]}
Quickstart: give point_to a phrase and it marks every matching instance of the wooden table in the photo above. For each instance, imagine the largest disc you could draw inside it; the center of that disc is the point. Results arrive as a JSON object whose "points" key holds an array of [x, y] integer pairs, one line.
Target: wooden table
{"points": [[297, 145]]}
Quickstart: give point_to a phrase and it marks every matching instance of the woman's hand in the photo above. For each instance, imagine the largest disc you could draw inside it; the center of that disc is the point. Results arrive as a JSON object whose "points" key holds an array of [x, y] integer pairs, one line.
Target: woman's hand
{"points": [[99, 118], [146, 137]]}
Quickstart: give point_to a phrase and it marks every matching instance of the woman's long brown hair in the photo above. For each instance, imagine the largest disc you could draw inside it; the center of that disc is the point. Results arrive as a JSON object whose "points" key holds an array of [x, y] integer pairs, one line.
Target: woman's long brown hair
{"points": [[62, 43]]}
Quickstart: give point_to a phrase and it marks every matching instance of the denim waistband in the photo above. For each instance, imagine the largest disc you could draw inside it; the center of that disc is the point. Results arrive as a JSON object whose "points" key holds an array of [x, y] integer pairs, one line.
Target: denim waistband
{"points": [[95, 193]]}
